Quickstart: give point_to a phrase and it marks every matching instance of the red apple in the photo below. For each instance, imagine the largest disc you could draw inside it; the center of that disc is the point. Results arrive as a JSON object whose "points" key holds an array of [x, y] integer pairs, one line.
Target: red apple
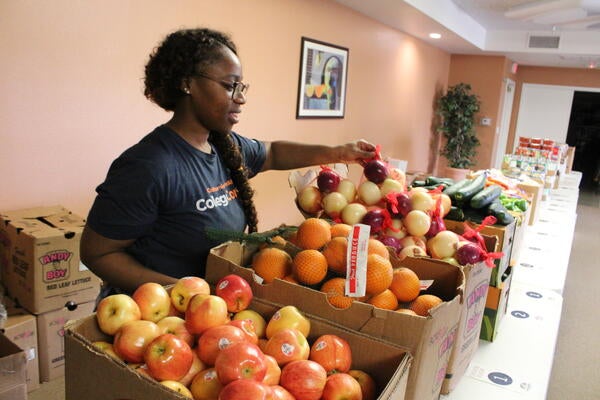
{"points": [[154, 301], [215, 339], [245, 389], [236, 292], [196, 367], [131, 339], [206, 385], [332, 352], [168, 357], [115, 310], [366, 382], [280, 393], [247, 326], [258, 321], [178, 387], [176, 326], [241, 360], [304, 379], [205, 311], [341, 386], [273, 371], [185, 288], [287, 345]]}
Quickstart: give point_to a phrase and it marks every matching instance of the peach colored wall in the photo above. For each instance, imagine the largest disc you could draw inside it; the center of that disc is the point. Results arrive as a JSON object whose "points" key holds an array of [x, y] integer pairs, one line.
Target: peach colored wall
{"points": [[573, 77], [486, 76], [71, 88]]}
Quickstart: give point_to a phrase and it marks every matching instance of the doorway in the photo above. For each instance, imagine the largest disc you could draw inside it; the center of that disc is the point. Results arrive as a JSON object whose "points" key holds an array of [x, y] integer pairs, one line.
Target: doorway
{"points": [[584, 134]]}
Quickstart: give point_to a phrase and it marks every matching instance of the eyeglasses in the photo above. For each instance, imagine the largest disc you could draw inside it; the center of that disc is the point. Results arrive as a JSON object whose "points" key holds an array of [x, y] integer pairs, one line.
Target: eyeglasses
{"points": [[236, 88]]}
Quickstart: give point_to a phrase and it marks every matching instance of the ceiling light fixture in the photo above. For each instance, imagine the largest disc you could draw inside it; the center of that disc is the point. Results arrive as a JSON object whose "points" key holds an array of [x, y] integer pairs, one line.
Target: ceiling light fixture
{"points": [[435, 35]]}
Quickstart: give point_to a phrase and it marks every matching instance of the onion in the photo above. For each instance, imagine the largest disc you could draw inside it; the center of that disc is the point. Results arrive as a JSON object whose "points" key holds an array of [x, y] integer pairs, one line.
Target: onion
{"points": [[402, 205], [417, 223], [443, 245], [469, 253], [375, 219], [396, 229], [421, 201], [369, 193], [348, 189], [334, 203], [437, 225], [376, 171], [328, 180], [309, 200], [391, 185], [392, 242], [413, 241], [353, 213], [411, 251]]}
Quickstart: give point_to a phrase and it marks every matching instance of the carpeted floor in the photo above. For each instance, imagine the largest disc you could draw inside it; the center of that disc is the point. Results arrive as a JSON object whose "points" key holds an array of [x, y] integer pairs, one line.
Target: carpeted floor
{"points": [[576, 369], [576, 372]]}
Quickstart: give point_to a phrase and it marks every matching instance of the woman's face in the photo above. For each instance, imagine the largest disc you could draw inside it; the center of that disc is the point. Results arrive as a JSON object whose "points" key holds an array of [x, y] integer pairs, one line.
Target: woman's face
{"points": [[211, 93]]}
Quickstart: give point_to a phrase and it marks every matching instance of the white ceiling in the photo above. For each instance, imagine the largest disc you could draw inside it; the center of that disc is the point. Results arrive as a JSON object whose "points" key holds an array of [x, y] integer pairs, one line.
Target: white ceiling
{"points": [[498, 27]]}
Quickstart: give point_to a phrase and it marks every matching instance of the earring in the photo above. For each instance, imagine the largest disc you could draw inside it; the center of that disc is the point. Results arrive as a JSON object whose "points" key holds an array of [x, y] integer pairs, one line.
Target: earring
{"points": [[186, 90]]}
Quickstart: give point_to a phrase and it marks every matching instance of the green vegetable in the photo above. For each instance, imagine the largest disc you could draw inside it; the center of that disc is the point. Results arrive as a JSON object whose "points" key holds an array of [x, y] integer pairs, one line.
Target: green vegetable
{"points": [[456, 214], [500, 212], [418, 183], [464, 194], [452, 189], [486, 196], [435, 181]]}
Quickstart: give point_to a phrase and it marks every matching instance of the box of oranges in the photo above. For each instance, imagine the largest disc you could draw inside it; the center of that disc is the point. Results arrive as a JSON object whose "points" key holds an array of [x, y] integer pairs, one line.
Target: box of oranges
{"points": [[303, 274]]}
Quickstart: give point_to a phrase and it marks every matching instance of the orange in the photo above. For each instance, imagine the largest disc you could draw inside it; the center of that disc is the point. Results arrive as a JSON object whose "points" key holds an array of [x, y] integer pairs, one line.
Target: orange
{"points": [[406, 311], [405, 285], [377, 247], [290, 278], [335, 254], [334, 289], [271, 262], [313, 233], [379, 274], [423, 303], [309, 267], [340, 230], [276, 241], [386, 300]]}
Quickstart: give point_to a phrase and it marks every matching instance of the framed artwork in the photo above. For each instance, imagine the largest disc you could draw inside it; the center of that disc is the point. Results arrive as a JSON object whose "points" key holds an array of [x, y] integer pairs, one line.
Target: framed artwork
{"points": [[322, 83]]}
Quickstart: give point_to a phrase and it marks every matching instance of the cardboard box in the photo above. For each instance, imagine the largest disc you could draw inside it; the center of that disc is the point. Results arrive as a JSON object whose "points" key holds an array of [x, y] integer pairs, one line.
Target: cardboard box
{"points": [[42, 270], [51, 334], [477, 278], [429, 339], [12, 371], [21, 328], [535, 191], [495, 308], [569, 159], [387, 363], [521, 225], [505, 236]]}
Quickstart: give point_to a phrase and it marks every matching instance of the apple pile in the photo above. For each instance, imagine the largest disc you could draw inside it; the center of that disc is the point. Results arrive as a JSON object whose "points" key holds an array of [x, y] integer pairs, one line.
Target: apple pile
{"points": [[212, 346]]}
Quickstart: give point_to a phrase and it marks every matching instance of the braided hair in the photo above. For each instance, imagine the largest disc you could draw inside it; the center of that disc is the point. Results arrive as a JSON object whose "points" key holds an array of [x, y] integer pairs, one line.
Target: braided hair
{"points": [[177, 58]]}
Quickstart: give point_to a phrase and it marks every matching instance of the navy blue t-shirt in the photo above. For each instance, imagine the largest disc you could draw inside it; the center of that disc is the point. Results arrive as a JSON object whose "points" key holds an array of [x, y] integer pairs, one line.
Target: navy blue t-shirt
{"points": [[163, 192]]}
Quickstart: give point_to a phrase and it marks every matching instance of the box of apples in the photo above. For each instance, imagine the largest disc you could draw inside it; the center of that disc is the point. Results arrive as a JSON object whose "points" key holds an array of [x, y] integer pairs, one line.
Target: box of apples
{"points": [[201, 341]]}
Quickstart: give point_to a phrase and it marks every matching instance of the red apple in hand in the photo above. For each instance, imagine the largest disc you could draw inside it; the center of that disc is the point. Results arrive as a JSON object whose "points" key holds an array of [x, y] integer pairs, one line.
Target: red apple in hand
{"points": [[131, 339], [205, 311], [341, 386], [154, 301], [115, 310], [215, 339], [242, 360], [185, 288], [245, 389], [236, 292], [332, 352], [287, 345], [168, 358], [366, 382], [304, 379], [176, 326]]}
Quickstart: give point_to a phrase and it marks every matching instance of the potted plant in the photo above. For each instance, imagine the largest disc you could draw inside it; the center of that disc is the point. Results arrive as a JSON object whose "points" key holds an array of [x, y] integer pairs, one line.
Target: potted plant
{"points": [[457, 109]]}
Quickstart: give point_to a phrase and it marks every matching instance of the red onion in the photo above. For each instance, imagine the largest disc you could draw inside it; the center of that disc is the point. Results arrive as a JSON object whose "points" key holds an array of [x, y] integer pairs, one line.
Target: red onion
{"points": [[328, 180], [469, 253], [376, 171], [375, 219]]}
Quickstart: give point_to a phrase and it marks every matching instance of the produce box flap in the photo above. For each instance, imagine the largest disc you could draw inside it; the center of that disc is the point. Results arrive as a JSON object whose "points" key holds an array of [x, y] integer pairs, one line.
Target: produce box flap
{"points": [[12, 364], [35, 212], [45, 222]]}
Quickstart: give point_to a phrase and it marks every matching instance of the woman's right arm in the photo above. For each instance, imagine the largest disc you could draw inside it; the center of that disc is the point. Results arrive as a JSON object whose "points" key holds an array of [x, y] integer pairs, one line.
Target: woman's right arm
{"points": [[109, 260]]}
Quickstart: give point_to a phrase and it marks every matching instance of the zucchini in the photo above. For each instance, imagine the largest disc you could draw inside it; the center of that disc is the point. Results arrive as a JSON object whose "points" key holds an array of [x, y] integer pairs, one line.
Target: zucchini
{"points": [[464, 194], [435, 181], [452, 189], [455, 214], [500, 212], [474, 215], [486, 196]]}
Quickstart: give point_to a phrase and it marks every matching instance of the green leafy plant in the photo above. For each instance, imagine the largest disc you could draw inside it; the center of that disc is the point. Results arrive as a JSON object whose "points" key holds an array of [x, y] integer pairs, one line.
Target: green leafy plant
{"points": [[457, 109]]}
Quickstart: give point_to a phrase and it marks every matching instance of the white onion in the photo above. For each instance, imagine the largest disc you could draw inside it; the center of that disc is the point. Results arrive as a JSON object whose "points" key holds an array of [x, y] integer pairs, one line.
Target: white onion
{"points": [[443, 245], [334, 203], [369, 193], [309, 199], [417, 223], [348, 189], [353, 213]]}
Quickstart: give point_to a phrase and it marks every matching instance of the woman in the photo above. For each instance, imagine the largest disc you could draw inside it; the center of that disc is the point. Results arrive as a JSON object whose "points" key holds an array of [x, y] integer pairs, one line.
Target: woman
{"points": [[147, 221]]}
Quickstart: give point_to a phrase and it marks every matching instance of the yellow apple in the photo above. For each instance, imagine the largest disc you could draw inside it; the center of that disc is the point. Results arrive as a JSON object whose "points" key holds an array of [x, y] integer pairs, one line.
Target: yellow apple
{"points": [[178, 387], [288, 317], [257, 320]]}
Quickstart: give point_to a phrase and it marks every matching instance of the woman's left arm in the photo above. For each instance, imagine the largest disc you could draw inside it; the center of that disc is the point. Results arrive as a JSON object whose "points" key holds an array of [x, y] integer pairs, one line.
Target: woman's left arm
{"points": [[283, 155]]}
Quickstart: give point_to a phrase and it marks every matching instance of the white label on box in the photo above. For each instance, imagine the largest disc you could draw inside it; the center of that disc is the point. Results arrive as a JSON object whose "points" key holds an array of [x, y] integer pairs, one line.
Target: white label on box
{"points": [[425, 283], [30, 353], [500, 379], [356, 267], [82, 267]]}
